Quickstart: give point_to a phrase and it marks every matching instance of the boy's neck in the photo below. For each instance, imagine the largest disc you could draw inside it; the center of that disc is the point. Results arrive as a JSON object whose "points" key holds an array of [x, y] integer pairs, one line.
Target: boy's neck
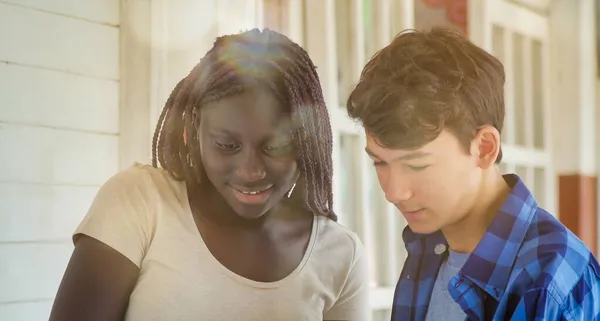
{"points": [[464, 235]]}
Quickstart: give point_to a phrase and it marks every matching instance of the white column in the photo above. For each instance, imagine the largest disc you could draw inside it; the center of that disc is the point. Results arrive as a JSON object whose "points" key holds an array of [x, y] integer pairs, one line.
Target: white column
{"points": [[477, 24], [573, 60], [233, 15], [136, 79], [295, 23], [406, 15], [575, 109], [588, 78], [588, 75], [161, 41], [286, 17]]}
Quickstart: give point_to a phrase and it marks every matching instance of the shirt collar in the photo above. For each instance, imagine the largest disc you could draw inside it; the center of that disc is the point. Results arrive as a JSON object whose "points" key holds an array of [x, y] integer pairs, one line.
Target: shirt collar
{"points": [[500, 243]]}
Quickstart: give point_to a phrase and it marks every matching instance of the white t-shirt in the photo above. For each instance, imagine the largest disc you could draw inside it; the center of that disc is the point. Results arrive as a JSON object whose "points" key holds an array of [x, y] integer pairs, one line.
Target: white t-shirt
{"points": [[144, 214]]}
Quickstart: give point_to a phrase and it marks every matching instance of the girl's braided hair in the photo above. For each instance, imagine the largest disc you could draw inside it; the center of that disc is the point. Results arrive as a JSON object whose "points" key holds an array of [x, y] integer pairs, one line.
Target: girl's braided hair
{"points": [[235, 63]]}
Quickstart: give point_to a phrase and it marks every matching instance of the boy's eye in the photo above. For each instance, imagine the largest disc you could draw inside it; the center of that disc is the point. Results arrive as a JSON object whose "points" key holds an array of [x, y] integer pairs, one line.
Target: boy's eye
{"points": [[417, 168]]}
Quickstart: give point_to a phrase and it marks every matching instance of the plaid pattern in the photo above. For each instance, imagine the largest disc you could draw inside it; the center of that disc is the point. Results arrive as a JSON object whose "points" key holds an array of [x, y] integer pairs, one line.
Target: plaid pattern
{"points": [[528, 266]]}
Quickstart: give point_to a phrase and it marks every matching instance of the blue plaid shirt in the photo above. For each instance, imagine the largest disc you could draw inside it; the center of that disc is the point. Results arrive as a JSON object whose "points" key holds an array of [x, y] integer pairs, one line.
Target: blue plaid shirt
{"points": [[527, 266]]}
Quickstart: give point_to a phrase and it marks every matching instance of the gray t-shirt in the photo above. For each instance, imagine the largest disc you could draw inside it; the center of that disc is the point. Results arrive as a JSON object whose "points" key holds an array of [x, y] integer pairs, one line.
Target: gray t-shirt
{"points": [[441, 305]]}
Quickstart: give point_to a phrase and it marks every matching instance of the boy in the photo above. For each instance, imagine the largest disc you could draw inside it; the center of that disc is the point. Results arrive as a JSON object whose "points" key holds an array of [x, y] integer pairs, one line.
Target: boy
{"points": [[432, 105]]}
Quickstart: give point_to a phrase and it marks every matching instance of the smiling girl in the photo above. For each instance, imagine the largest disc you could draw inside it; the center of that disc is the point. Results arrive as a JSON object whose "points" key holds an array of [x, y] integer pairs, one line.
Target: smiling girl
{"points": [[237, 222]]}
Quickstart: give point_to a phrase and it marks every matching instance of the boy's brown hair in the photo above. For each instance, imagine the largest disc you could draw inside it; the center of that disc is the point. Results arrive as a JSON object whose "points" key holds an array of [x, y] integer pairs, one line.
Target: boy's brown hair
{"points": [[424, 82]]}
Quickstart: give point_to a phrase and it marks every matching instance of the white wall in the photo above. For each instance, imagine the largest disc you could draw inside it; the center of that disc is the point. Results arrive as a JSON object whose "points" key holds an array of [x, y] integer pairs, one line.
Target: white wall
{"points": [[59, 124]]}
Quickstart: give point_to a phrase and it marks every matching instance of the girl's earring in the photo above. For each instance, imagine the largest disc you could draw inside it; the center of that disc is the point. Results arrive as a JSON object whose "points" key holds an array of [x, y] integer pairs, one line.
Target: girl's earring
{"points": [[291, 190]]}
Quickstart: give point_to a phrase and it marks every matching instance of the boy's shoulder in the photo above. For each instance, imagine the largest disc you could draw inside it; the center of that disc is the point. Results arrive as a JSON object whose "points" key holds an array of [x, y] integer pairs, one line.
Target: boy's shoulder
{"points": [[553, 258]]}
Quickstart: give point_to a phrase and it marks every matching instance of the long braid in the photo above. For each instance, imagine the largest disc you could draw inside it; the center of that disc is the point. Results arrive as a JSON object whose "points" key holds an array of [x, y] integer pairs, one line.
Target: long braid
{"points": [[316, 125], [161, 118], [274, 61]]}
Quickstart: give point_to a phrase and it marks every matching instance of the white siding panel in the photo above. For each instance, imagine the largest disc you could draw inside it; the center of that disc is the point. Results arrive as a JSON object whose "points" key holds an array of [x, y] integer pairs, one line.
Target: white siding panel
{"points": [[59, 126], [49, 156], [26, 311], [102, 11], [56, 99], [52, 41], [41, 212], [32, 271]]}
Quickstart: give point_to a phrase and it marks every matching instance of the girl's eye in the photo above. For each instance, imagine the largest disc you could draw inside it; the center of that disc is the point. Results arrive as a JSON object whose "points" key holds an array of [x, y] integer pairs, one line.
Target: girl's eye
{"points": [[228, 147], [278, 149]]}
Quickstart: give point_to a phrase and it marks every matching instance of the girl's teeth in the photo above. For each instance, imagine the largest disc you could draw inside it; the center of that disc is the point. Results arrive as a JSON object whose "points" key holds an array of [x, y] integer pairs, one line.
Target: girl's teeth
{"points": [[255, 192]]}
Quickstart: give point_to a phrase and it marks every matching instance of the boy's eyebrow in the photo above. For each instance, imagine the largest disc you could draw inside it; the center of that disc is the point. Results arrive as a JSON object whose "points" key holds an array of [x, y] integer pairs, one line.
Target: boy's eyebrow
{"points": [[409, 156]]}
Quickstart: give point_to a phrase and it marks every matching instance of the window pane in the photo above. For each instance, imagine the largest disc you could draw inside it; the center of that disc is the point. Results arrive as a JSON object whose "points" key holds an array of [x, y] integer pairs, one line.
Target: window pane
{"points": [[349, 175], [539, 192], [519, 98], [538, 94]]}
